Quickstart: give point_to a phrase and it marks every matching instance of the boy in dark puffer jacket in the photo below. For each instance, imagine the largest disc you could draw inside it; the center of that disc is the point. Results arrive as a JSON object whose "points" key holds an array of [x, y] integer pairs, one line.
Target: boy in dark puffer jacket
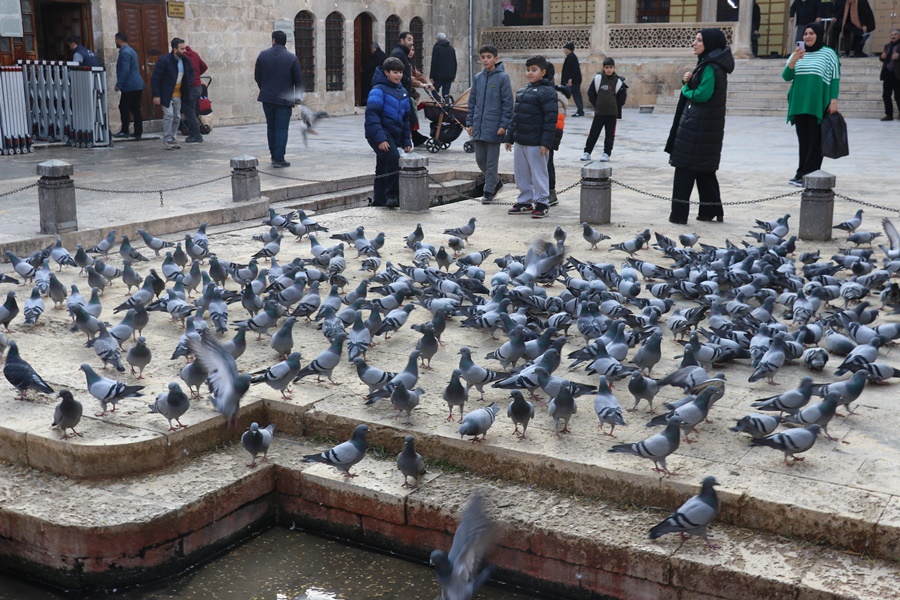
{"points": [[387, 129], [532, 131]]}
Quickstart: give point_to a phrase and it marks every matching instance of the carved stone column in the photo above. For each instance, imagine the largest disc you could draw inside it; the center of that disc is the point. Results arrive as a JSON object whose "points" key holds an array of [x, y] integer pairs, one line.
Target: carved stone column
{"points": [[741, 47], [599, 31]]}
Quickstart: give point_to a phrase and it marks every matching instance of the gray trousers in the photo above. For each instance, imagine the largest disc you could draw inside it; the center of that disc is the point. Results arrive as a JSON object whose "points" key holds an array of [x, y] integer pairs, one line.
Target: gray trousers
{"points": [[171, 120], [531, 174], [487, 157]]}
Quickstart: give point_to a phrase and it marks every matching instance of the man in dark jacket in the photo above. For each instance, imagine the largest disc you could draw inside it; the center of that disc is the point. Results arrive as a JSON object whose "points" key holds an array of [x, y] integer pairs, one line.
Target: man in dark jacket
{"points": [[130, 84], [192, 98], [803, 12], [277, 73], [443, 65], [571, 76], [855, 22], [890, 74], [80, 54], [172, 76], [401, 52], [375, 61]]}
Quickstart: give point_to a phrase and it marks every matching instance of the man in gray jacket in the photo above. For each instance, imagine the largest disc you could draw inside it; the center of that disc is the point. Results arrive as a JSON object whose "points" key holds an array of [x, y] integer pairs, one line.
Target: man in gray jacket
{"points": [[490, 112]]}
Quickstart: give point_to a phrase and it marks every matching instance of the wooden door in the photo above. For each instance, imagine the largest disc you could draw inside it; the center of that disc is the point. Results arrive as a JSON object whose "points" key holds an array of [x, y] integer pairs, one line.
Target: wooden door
{"points": [[21, 48], [362, 51], [145, 25], [773, 27]]}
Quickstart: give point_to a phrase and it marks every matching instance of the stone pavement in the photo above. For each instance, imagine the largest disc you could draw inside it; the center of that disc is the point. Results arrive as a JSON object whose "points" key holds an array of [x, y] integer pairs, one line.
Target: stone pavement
{"points": [[846, 495]]}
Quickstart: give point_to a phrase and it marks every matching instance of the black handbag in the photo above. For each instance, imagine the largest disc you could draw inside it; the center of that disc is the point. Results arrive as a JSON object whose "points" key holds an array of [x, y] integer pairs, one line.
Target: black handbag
{"points": [[834, 136]]}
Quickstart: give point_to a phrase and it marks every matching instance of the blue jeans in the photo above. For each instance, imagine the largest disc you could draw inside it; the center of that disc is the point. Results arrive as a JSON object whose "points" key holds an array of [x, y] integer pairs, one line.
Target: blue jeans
{"points": [[386, 187], [278, 117]]}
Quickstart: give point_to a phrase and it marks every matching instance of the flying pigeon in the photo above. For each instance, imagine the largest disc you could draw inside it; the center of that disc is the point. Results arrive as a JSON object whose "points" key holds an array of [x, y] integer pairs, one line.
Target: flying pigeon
{"points": [[460, 572]]}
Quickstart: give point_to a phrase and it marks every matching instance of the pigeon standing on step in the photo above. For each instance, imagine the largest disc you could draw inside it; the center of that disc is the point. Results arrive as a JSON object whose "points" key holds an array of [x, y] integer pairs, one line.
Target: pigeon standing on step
{"points": [[67, 414], [656, 447], [171, 404], [256, 440], [561, 408], [21, 375], [478, 422], [343, 456], [694, 516], [463, 232], [410, 463], [108, 391], [851, 224], [520, 411], [791, 442]]}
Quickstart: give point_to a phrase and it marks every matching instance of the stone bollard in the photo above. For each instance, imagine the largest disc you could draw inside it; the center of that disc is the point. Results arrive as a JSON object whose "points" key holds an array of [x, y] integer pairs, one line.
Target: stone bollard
{"points": [[56, 197], [414, 195], [596, 194], [244, 178], [817, 206]]}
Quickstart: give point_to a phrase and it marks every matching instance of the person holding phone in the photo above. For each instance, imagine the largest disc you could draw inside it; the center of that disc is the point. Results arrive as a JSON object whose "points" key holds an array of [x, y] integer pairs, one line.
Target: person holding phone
{"points": [[814, 71]]}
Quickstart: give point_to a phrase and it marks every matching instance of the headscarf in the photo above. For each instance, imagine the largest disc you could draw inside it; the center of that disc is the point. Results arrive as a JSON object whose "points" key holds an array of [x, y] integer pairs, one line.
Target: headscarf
{"points": [[508, 6], [820, 36], [713, 39]]}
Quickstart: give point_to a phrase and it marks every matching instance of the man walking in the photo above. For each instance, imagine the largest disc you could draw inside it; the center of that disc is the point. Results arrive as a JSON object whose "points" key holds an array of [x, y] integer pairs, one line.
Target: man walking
{"points": [[571, 76], [192, 98], [277, 74], [172, 77], [402, 51], [890, 75], [131, 87], [80, 54], [443, 65]]}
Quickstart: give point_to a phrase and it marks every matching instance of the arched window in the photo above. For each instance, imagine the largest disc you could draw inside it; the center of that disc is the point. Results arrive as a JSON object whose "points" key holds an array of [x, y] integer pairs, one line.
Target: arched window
{"points": [[391, 32], [417, 29], [334, 52], [305, 47]]}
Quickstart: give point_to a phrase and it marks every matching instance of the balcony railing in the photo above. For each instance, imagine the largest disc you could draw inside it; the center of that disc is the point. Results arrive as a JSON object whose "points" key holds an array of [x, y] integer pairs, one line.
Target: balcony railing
{"points": [[551, 37]]}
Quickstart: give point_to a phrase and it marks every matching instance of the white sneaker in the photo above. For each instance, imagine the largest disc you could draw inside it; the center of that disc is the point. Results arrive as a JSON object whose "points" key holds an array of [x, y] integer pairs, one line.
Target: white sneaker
{"points": [[604, 157], [586, 156]]}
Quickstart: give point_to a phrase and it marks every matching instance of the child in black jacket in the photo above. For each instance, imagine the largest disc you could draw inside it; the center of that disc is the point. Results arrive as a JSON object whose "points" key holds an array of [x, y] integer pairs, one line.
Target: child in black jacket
{"points": [[607, 93], [532, 131]]}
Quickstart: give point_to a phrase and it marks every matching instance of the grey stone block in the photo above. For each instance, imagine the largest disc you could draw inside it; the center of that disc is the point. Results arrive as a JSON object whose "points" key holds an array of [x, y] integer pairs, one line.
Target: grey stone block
{"points": [[56, 197], [244, 178], [596, 194], [414, 196], [817, 206]]}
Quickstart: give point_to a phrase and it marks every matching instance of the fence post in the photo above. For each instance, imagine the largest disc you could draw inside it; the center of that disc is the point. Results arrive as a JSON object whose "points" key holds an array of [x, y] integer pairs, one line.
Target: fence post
{"points": [[244, 178], [817, 206], [56, 197], [596, 194], [414, 196]]}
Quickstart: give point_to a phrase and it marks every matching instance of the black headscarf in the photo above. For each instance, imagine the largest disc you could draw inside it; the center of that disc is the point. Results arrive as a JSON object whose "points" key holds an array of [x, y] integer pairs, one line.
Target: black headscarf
{"points": [[820, 36], [713, 39]]}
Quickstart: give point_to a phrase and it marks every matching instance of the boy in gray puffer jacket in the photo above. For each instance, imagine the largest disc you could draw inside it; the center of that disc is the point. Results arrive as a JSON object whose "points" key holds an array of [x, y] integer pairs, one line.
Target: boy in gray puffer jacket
{"points": [[532, 131]]}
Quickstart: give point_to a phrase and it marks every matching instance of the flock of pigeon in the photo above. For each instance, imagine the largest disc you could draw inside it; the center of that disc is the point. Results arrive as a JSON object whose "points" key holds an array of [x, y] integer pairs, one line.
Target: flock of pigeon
{"points": [[757, 303]]}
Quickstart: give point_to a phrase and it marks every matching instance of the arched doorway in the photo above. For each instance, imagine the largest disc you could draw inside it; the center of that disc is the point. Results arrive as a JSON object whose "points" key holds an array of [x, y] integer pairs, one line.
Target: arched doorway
{"points": [[363, 36]]}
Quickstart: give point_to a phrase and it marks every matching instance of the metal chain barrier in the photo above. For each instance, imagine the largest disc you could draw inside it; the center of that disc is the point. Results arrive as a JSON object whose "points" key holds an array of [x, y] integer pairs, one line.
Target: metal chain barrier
{"points": [[698, 203], [279, 176], [158, 191], [16, 191], [864, 203]]}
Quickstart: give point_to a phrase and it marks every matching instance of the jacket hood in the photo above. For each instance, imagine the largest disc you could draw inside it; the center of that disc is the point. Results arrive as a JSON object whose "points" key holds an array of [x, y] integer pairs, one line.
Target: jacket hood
{"points": [[723, 58], [381, 77], [498, 66]]}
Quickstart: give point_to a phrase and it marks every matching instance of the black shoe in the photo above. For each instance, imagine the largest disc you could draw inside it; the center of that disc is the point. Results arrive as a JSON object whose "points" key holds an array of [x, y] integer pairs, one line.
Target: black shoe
{"points": [[121, 135], [796, 181], [718, 218], [887, 118], [487, 198], [136, 137], [280, 164], [392, 202], [677, 222], [193, 139]]}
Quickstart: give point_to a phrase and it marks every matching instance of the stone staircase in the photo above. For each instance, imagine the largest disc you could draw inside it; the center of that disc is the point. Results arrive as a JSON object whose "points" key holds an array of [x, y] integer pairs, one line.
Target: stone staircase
{"points": [[756, 89]]}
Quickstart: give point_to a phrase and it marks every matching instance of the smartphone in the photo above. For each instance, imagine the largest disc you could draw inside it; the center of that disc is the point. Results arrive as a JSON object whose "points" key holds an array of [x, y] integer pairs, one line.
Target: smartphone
{"points": [[801, 44]]}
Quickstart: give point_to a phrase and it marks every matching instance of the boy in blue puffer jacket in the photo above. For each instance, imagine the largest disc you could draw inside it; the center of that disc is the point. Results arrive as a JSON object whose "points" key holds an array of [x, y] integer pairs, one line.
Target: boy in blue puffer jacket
{"points": [[387, 129], [532, 131]]}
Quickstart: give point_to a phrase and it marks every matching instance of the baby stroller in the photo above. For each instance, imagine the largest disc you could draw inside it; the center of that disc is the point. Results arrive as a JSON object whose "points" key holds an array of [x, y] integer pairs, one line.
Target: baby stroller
{"points": [[203, 109], [448, 118]]}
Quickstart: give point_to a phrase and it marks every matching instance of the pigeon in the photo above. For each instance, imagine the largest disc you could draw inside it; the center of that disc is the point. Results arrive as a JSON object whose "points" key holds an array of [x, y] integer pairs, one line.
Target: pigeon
{"points": [[9, 310], [417, 235], [395, 320], [757, 425], [592, 236], [103, 246], [21, 267], [256, 440], [520, 411], [409, 376], [656, 447], [67, 414], [34, 307], [851, 224], [463, 232], [649, 353], [791, 442], [410, 463], [106, 347], [427, 345], [154, 243], [694, 516], [404, 400], [689, 414], [359, 339], [280, 375], [820, 414], [606, 405], [475, 375], [108, 391], [282, 341], [460, 572], [21, 375], [770, 362], [171, 404], [846, 391], [478, 421], [642, 388], [343, 456], [455, 394], [129, 253], [227, 385], [373, 377], [790, 401], [325, 362], [561, 408]]}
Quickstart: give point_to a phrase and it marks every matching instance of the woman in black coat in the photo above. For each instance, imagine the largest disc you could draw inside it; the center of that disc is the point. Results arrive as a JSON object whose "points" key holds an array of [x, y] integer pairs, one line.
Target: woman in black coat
{"points": [[695, 140]]}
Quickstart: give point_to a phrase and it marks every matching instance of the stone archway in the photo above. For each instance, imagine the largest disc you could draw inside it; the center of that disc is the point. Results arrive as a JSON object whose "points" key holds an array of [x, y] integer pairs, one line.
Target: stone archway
{"points": [[363, 36]]}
